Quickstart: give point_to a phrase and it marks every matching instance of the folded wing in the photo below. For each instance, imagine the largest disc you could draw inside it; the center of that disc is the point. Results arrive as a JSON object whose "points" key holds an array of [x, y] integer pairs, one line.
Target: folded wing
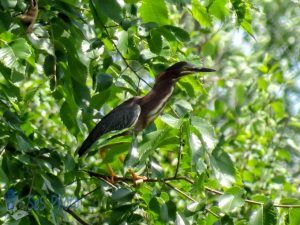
{"points": [[122, 117]]}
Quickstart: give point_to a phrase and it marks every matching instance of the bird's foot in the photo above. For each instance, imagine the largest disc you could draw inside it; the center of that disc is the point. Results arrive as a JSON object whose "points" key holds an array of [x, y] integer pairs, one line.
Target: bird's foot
{"points": [[137, 179], [112, 178]]}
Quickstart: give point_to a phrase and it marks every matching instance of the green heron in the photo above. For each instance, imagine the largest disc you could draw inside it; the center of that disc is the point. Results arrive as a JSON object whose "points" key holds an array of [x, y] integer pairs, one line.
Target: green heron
{"points": [[138, 112]]}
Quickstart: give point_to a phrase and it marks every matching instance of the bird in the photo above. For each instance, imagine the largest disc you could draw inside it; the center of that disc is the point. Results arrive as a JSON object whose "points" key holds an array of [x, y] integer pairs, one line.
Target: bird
{"points": [[139, 111]]}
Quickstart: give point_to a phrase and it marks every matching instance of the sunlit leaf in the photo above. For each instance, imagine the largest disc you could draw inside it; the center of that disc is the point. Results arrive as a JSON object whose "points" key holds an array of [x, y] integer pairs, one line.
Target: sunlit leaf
{"points": [[200, 14], [206, 131], [154, 11], [266, 214], [223, 167], [231, 201]]}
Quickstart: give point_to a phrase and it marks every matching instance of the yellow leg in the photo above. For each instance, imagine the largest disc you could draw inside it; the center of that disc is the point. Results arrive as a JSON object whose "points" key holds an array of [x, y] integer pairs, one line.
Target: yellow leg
{"points": [[112, 176], [136, 178]]}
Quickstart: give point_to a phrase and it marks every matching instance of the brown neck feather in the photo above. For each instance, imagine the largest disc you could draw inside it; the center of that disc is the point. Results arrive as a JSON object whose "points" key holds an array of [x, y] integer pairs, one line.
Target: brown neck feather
{"points": [[153, 103]]}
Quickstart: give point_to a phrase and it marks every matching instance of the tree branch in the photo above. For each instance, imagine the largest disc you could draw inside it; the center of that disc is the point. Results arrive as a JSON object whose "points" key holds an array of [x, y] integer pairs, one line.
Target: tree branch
{"points": [[165, 180], [75, 216], [82, 197]]}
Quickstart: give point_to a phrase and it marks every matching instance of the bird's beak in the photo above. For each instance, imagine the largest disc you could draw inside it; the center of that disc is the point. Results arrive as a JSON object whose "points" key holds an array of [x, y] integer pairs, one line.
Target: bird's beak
{"points": [[193, 69], [203, 69]]}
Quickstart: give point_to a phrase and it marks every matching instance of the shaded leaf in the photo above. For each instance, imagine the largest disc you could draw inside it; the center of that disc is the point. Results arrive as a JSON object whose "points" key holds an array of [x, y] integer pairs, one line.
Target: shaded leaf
{"points": [[103, 81], [111, 9]]}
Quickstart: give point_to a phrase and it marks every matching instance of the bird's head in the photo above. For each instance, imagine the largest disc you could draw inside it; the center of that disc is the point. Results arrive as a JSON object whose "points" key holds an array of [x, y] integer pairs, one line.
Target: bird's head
{"points": [[181, 69]]}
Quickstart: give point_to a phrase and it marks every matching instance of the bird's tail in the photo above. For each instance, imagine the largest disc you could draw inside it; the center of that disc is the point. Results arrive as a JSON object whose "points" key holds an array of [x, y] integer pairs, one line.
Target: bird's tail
{"points": [[89, 141], [84, 147]]}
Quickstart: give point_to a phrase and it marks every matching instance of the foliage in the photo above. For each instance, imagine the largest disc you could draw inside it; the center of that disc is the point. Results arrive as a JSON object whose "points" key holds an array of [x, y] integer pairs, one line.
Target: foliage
{"points": [[237, 129]]}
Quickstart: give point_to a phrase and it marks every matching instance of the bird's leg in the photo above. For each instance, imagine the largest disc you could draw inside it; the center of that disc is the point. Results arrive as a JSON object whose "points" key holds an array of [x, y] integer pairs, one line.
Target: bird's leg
{"points": [[136, 178], [132, 160], [112, 176]]}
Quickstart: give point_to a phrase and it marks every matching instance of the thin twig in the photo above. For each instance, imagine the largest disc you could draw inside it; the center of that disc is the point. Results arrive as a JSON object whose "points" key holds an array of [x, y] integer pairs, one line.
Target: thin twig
{"points": [[75, 216], [180, 147], [286, 206], [82, 197], [181, 192], [123, 58], [190, 198]]}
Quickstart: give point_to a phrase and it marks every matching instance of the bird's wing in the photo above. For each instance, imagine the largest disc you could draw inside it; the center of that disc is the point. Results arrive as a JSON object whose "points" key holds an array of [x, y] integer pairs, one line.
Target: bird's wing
{"points": [[123, 116]]}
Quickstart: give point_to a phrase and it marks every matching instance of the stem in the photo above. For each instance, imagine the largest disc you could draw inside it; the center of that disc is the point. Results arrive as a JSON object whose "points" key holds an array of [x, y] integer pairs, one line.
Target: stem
{"points": [[82, 197], [123, 58], [75, 216], [180, 147], [190, 198]]}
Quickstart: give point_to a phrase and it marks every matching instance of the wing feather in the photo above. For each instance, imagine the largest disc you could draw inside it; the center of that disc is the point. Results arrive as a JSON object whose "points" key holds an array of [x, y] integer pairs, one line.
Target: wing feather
{"points": [[123, 116]]}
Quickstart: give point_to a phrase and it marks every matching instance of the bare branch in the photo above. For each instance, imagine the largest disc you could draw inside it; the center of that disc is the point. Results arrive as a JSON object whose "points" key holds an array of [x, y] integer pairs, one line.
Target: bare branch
{"points": [[82, 197], [75, 216]]}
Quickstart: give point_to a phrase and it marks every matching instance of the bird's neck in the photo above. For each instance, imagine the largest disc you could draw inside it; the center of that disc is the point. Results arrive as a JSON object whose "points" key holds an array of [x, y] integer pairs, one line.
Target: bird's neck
{"points": [[153, 103]]}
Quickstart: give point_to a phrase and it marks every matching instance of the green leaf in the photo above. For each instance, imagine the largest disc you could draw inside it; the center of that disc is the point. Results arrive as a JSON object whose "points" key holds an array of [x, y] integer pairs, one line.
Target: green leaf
{"points": [[77, 70], [49, 65], [155, 41], [180, 34], [123, 42], [179, 220], [12, 120], [53, 183], [9, 3], [99, 99], [200, 14], [23, 144], [131, 82], [206, 131], [231, 201], [132, 1], [170, 120], [103, 81], [223, 167], [182, 107], [152, 141], [69, 163], [278, 108], [294, 216], [67, 115], [21, 48], [154, 11], [122, 195], [36, 217], [18, 49], [3, 177], [265, 215], [111, 9], [81, 93], [218, 9]]}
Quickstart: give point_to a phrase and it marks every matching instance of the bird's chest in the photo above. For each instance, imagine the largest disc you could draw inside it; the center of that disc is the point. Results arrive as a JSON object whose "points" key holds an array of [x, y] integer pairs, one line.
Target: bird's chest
{"points": [[156, 106]]}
